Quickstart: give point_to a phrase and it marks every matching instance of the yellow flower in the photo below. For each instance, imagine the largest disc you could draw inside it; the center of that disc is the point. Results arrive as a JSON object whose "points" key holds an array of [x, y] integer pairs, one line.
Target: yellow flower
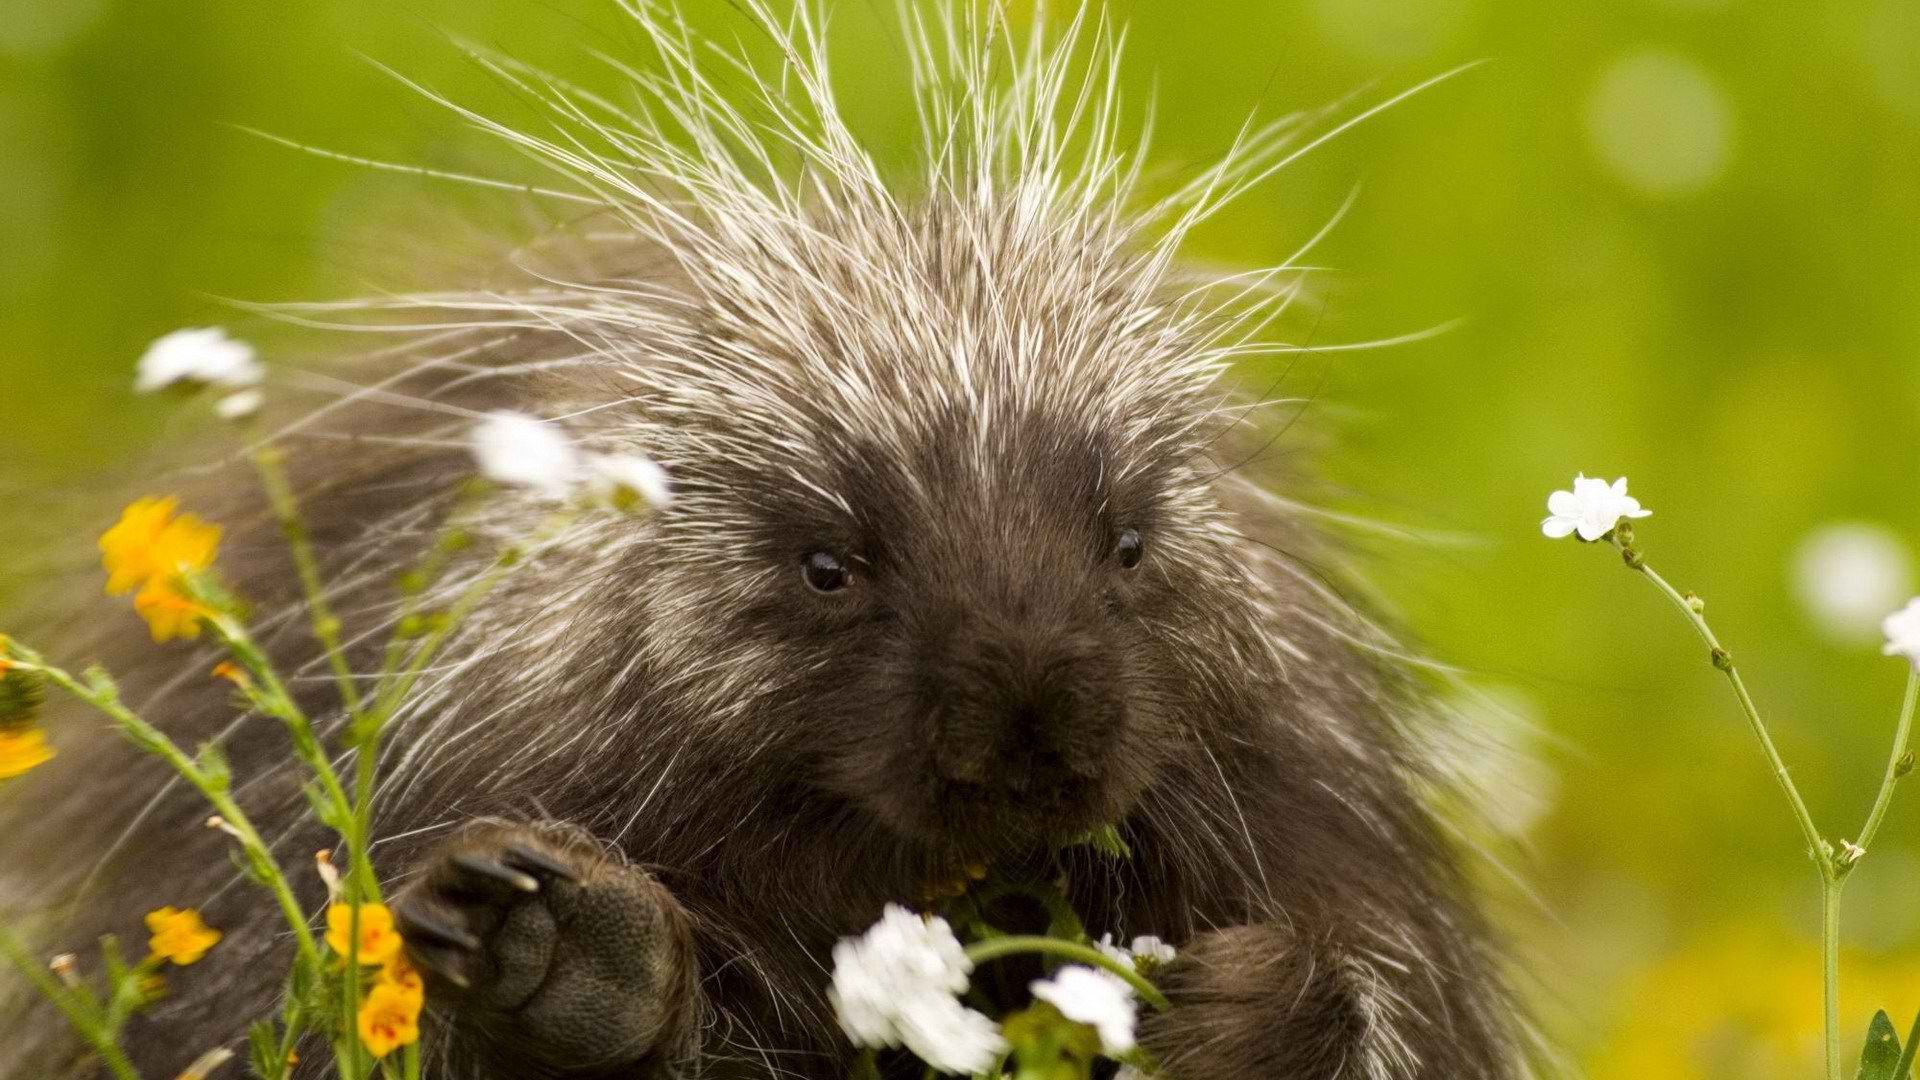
{"points": [[22, 749], [179, 935], [169, 613], [149, 549], [378, 939], [150, 542], [399, 973], [389, 1018]]}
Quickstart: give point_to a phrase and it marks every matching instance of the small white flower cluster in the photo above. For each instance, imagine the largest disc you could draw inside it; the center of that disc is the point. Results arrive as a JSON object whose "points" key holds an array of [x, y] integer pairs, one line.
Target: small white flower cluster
{"points": [[523, 451], [898, 985], [1592, 509], [1145, 948], [1099, 999], [204, 356]]}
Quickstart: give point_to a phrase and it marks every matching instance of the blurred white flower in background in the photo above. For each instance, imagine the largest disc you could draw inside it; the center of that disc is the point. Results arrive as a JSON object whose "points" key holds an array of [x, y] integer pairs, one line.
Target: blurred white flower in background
{"points": [[897, 984], [521, 451], [199, 357], [623, 479], [1848, 576], [1903, 632], [1659, 123], [1099, 999], [1593, 508], [240, 405]]}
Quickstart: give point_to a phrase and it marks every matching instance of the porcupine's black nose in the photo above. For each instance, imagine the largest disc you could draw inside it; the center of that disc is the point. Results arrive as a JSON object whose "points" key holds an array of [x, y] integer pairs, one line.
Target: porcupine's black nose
{"points": [[1020, 705]]}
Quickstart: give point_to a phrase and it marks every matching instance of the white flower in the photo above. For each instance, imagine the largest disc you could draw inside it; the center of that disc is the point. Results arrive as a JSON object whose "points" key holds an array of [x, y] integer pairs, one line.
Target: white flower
{"points": [[1848, 575], [949, 1036], [205, 357], [1145, 947], [239, 406], [897, 985], [521, 451], [1100, 999], [1903, 632], [625, 480], [1591, 509], [1150, 948]]}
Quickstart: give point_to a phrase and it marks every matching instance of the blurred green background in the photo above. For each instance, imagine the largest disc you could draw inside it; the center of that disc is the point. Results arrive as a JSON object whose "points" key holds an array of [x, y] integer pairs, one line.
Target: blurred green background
{"points": [[1684, 237]]}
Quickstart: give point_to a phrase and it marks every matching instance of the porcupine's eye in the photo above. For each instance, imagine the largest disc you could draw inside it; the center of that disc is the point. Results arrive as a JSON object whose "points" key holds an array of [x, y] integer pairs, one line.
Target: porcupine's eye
{"points": [[1128, 548], [824, 571]]}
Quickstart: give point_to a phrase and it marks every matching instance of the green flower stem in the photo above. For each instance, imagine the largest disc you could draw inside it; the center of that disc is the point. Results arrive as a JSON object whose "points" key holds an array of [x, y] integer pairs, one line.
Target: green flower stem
{"points": [[80, 1016], [326, 626], [1830, 968], [105, 698], [1067, 950], [395, 686], [272, 696], [1821, 851], [1832, 870], [1903, 732]]}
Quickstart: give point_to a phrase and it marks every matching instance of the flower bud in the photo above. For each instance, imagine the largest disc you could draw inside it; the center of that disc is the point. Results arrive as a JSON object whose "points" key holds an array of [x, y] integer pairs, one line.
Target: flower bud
{"points": [[67, 966], [22, 692]]}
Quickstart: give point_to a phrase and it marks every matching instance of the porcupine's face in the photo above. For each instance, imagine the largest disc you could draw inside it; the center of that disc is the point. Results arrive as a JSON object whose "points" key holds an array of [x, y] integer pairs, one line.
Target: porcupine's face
{"points": [[984, 617], [969, 627]]}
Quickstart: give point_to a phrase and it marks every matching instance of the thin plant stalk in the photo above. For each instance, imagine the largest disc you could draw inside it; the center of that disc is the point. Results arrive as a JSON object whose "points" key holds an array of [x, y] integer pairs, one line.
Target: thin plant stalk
{"points": [[326, 625], [1832, 866]]}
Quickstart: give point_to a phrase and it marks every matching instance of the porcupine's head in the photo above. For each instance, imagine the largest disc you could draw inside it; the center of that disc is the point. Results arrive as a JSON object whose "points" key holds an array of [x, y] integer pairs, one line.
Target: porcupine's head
{"points": [[943, 544]]}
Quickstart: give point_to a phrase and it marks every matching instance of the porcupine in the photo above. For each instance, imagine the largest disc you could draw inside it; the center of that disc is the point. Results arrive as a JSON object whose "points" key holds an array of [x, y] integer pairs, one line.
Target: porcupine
{"points": [[961, 563]]}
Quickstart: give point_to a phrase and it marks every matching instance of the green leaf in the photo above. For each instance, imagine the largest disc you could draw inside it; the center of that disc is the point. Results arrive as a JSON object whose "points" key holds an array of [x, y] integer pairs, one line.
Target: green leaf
{"points": [[1905, 1067], [263, 1051], [1882, 1053]]}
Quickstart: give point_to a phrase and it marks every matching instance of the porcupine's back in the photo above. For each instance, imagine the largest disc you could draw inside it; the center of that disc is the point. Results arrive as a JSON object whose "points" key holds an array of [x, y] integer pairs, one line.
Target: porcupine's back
{"points": [[770, 301]]}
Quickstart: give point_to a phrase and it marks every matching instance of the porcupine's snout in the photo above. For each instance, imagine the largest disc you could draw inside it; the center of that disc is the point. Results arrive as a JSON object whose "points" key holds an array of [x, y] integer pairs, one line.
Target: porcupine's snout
{"points": [[1021, 704]]}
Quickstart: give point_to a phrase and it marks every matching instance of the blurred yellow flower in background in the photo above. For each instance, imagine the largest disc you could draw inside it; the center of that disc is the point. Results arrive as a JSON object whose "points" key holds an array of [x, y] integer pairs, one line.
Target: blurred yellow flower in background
{"points": [[169, 613], [379, 941], [149, 542], [179, 935], [1745, 1004], [22, 749], [149, 548]]}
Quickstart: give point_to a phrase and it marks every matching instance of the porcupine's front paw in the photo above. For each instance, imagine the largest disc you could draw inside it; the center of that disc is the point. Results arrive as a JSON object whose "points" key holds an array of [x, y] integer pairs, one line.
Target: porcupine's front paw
{"points": [[1248, 1001], [548, 957]]}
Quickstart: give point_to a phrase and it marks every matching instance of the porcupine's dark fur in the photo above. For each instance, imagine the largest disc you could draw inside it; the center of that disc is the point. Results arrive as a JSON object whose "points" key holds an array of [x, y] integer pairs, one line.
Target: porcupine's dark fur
{"points": [[965, 394]]}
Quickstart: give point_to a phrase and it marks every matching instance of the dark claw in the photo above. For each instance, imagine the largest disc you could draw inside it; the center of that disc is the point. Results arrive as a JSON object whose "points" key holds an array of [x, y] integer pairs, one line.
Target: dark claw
{"points": [[416, 924], [442, 964], [525, 858], [493, 871]]}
